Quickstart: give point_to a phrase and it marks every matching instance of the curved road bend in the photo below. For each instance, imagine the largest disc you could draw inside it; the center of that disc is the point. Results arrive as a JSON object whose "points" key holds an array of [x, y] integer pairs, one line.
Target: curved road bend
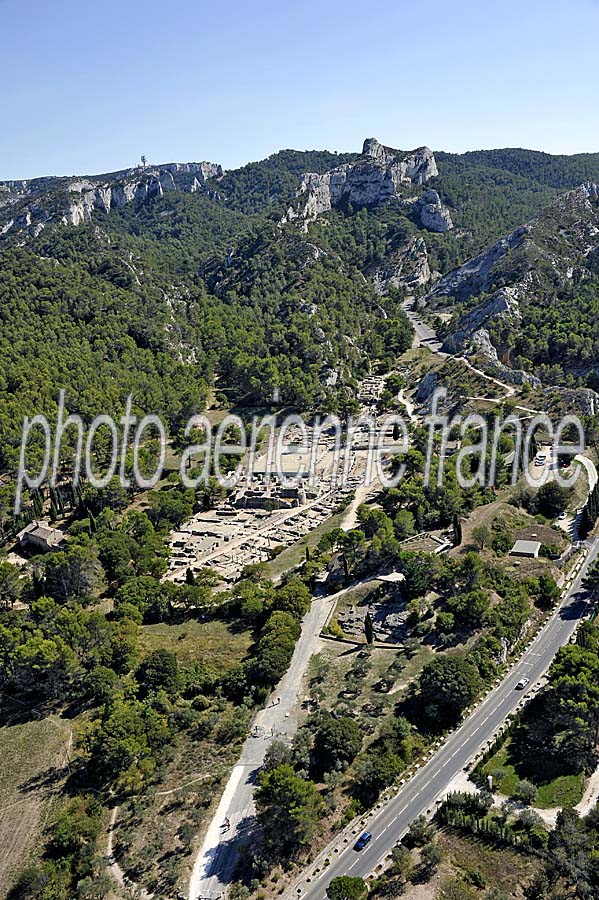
{"points": [[431, 781]]}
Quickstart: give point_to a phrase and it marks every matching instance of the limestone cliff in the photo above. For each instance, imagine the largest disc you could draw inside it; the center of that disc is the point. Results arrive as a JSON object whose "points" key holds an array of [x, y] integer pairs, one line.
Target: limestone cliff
{"points": [[432, 214], [73, 201], [492, 295], [408, 267], [473, 327], [378, 176]]}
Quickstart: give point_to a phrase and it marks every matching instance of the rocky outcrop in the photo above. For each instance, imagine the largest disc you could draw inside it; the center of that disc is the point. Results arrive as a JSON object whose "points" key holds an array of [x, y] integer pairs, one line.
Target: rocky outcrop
{"points": [[376, 177], [476, 274], [583, 399], [408, 267], [432, 214], [427, 386], [590, 190], [513, 376], [413, 167], [481, 345], [107, 197], [503, 304], [563, 237], [73, 201]]}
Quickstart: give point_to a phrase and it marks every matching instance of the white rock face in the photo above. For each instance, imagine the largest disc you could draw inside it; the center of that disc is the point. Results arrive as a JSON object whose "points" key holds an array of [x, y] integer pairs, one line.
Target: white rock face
{"points": [[476, 274], [481, 345], [375, 178], [432, 214], [473, 327], [407, 266], [590, 190], [415, 167], [89, 195]]}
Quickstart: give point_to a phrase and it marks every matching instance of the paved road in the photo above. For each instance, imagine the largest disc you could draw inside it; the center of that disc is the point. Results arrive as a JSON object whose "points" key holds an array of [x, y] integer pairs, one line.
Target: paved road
{"points": [[216, 860], [430, 783], [423, 335]]}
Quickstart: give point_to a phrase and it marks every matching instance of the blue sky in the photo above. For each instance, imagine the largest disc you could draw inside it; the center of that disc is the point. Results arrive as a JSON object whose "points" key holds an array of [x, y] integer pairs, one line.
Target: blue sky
{"points": [[89, 86]]}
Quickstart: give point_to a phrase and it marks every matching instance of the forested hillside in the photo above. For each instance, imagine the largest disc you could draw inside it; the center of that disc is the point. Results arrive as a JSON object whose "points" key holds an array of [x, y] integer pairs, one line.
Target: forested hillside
{"points": [[531, 299], [542, 168], [159, 296], [269, 183]]}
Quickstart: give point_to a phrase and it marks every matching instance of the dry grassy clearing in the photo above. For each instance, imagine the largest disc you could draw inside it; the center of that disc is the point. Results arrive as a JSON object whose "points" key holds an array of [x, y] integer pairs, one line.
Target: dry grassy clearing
{"points": [[477, 863], [215, 643], [33, 755]]}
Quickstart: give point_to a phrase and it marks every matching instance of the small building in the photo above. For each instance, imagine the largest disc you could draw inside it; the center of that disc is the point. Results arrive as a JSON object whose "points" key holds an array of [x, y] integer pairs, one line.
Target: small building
{"points": [[530, 549], [392, 578], [41, 537]]}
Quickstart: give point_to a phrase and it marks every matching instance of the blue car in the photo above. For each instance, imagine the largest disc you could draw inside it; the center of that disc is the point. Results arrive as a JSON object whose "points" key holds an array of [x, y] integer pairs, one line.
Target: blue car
{"points": [[364, 839]]}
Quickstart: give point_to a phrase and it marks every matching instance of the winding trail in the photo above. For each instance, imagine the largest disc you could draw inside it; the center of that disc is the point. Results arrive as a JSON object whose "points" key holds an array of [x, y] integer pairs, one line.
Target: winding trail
{"points": [[116, 871]]}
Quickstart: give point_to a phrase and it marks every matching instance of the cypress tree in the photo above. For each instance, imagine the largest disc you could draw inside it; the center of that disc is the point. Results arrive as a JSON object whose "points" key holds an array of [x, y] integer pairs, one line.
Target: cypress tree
{"points": [[369, 629]]}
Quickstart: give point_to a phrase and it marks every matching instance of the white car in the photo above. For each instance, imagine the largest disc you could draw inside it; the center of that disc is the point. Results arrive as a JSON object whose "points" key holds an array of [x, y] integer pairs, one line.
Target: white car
{"points": [[522, 684]]}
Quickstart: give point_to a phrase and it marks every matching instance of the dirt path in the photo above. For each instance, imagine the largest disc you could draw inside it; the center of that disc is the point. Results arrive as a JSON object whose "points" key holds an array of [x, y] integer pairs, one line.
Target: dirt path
{"points": [[216, 859], [590, 796], [115, 870]]}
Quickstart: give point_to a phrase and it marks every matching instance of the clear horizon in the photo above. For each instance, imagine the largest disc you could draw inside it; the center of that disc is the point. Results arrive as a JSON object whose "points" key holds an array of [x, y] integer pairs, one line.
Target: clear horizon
{"points": [[90, 90], [165, 161]]}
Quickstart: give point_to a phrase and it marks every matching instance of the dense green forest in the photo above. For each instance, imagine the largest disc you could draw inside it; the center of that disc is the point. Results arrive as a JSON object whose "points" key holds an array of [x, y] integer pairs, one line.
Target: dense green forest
{"points": [[542, 168], [166, 297], [122, 308]]}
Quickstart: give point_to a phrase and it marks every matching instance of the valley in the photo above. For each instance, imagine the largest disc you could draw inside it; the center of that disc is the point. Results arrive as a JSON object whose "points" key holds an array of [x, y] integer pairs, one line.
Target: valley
{"points": [[253, 673]]}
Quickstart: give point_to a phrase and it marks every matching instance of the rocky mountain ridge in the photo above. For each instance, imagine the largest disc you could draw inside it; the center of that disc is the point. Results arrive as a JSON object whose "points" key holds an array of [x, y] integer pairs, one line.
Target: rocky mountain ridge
{"points": [[379, 176], [73, 200], [560, 244]]}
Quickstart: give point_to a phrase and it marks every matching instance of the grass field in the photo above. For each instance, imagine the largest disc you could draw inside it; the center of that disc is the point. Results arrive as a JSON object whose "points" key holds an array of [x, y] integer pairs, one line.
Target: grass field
{"points": [[32, 757], [215, 642], [505, 869], [553, 789], [471, 861]]}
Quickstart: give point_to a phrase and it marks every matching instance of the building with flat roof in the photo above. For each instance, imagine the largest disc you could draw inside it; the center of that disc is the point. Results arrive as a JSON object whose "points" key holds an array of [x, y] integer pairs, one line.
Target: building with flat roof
{"points": [[530, 549]]}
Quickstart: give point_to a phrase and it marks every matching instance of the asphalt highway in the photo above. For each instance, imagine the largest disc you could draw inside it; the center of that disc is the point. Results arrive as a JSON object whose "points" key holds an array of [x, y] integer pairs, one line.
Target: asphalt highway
{"points": [[432, 780]]}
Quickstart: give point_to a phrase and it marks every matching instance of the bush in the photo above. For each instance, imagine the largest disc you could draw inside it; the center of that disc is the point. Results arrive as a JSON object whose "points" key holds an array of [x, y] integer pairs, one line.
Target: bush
{"points": [[346, 888], [420, 832], [525, 791]]}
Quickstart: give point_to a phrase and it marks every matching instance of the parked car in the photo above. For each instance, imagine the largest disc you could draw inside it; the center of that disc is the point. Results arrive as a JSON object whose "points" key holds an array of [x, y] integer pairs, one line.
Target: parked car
{"points": [[365, 838]]}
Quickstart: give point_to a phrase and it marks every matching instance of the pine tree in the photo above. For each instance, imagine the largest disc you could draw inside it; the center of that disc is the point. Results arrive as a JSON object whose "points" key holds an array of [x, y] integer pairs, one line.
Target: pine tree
{"points": [[369, 629], [457, 530]]}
